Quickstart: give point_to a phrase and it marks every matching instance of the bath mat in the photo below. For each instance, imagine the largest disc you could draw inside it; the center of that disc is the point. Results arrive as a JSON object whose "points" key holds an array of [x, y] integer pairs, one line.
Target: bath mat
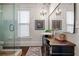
{"points": [[34, 51]]}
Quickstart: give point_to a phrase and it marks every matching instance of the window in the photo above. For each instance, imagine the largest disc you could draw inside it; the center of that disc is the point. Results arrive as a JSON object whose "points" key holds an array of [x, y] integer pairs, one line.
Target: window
{"points": [[23, 23], [70, 21]]}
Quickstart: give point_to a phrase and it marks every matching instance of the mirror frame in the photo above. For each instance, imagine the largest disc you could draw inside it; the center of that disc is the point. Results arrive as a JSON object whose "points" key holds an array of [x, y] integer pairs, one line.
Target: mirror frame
{"points": [[74, 10]]}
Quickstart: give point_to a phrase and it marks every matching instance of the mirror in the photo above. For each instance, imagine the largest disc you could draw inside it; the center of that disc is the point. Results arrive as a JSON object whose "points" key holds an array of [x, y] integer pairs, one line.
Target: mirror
{"points": [[65, 12]]}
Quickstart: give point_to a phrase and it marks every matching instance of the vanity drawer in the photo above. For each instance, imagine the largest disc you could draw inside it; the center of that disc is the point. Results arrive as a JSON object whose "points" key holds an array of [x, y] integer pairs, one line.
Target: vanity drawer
{"points": [[62, 49]]}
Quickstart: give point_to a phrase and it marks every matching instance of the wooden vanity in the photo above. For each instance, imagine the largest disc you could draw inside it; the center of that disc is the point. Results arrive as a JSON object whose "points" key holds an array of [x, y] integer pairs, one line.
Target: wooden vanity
{"points": [[53, 47], [56, 42]]}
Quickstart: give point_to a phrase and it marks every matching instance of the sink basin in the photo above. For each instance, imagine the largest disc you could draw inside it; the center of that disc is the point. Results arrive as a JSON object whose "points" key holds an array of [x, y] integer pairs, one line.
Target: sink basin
{"points": [[10, 52]]}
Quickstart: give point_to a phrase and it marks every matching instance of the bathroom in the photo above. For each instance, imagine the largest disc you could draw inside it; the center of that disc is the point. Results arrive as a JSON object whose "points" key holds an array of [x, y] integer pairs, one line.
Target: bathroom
{"points": [[17, 33]]}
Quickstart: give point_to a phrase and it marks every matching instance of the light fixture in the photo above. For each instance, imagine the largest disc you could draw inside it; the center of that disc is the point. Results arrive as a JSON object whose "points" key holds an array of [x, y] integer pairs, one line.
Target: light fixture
{"points": [[58, 11], [43, 11]]}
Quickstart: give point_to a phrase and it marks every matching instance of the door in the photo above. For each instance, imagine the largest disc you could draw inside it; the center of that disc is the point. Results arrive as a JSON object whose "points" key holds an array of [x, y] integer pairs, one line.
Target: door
{"points": [[7, 25]]}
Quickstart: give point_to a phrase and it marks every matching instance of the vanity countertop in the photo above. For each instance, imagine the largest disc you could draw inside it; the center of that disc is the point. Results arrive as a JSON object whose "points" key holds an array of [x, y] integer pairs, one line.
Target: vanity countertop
{"points": [[56, 42]]}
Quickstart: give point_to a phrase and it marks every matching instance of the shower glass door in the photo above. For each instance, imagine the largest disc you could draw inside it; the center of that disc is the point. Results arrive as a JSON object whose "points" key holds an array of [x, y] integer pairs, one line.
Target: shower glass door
{"points": [[7, 25]]}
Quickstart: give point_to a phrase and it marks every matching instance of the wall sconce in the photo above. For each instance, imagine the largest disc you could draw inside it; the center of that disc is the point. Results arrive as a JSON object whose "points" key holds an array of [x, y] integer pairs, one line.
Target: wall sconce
{"points": [[58, 11], [43, 12]]}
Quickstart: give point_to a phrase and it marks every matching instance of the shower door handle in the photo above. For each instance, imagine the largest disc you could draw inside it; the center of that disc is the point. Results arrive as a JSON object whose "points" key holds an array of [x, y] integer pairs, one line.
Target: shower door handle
{"points": [[11, 27]]}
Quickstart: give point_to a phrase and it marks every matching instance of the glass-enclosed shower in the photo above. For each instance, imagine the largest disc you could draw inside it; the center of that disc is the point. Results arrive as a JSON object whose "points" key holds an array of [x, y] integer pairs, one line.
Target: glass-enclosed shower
{"points": [[8, 26]]}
